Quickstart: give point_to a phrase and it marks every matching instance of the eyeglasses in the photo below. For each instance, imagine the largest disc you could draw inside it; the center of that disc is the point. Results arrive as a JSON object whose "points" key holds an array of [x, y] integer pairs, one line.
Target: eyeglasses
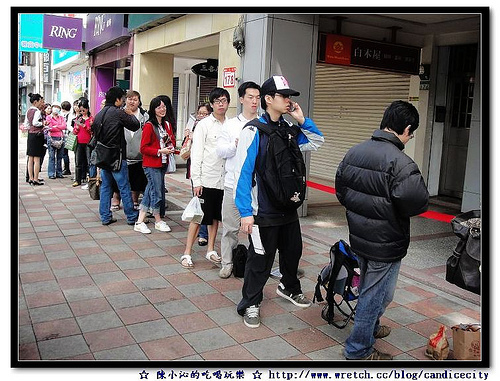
{"points": [[161, 106], [221, 101], [203, 114]]}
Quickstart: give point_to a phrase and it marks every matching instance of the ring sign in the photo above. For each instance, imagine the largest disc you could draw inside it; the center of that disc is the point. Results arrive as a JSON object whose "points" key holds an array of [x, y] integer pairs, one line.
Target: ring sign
{"points": [[229, 79]]}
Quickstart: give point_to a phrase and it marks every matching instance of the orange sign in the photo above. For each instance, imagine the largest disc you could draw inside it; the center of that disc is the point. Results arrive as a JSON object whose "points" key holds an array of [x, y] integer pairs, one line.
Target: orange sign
{"points": [[338, 49]]}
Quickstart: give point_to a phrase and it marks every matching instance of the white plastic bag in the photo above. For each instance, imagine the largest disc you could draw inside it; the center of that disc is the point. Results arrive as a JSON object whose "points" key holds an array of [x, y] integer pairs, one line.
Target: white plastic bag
{"points": [[193, 211], [171, 166]]}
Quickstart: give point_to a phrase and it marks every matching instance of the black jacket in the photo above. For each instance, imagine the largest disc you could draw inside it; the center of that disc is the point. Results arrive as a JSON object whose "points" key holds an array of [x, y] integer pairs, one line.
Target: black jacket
{"points": [[115, 119], [381, 188]]}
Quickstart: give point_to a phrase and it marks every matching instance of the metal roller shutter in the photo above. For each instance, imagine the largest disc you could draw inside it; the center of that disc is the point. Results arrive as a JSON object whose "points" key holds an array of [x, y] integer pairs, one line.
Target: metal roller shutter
{"points": [[348, 106]]}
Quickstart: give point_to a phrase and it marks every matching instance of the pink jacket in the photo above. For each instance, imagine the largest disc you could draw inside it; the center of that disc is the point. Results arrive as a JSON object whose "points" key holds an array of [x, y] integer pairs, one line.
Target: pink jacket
{"points": [[57, 125], [82, 129]]}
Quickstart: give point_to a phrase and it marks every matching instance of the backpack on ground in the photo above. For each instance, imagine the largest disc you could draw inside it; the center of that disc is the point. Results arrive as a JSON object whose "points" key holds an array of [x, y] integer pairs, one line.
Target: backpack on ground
{"points": [[340, 280], [239, 260], [284, 171]]}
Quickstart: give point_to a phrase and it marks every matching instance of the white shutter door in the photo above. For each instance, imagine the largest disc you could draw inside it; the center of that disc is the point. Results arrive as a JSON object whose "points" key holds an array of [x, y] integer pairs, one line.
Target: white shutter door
{"points": [[348, 106]]}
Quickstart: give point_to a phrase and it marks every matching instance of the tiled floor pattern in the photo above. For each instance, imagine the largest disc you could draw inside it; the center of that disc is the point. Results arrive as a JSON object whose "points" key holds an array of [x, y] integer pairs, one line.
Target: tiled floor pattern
{"points": [[93, 292]]}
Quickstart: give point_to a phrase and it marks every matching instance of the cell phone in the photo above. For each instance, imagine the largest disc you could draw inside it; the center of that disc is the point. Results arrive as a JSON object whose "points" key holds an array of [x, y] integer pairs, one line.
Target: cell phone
{"points": [[291, 106]]}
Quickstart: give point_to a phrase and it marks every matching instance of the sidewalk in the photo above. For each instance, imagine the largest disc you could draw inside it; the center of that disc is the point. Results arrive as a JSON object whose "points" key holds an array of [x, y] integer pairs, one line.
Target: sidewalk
{"points": [[93, 292]]}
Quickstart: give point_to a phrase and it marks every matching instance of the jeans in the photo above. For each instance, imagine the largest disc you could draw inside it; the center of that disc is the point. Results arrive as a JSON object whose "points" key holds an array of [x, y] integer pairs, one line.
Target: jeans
{"points": [[376, 291], [155, 189], [65, 157], [55, 160], [81, 165], [121, 178], [203, 233], [92, 167]]}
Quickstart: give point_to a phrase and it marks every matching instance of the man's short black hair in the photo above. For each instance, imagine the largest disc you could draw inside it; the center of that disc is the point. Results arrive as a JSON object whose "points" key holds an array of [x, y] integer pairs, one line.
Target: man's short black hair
{"points": [[247, 85], [263, 103], [398, 116], [218, 92], [66, 106], [113, 94]]}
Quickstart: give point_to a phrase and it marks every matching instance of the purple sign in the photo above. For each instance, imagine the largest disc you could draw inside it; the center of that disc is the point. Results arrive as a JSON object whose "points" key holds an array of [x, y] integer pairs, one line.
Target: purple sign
{"points": [[105, 80], [103, 28], [62, 32]]}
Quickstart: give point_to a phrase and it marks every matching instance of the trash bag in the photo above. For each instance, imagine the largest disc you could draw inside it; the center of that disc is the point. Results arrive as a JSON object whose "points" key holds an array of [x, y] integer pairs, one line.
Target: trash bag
{"points": [[463, 268]]}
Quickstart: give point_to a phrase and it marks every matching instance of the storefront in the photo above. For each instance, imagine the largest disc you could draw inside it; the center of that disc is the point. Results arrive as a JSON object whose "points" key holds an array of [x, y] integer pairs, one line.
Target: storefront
{"points": [[110, 52]]}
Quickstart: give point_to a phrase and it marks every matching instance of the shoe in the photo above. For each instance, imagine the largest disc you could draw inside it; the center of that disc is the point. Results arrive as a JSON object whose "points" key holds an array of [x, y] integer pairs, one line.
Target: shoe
{"points": [[60, 177], [40, 180], [76, 184], [202, 241], [52, 177], [37, 182], [252, 317], [375, 355], [141, 227], [298, 299], [187, 262], [114, 208], [85, 187], [382, 332], [213, 257], [111, 221], [162, 226], [136, 206], [226, 271], [66, 172]]}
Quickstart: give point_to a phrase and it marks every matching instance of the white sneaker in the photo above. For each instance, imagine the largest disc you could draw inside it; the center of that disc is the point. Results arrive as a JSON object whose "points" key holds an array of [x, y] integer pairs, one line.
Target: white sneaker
{"points": [[162, 226], [85, 187], [141, 227]]}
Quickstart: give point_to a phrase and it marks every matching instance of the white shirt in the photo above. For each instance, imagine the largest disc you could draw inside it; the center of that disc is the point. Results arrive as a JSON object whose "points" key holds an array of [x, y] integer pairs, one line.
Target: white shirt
{"points": [[207, 168], [226, 146]]}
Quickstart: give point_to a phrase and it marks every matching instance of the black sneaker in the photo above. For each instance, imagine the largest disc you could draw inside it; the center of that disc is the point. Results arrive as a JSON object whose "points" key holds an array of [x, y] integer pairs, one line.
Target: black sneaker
{"points": [[298, 299], [66, 172], [111, 221]]}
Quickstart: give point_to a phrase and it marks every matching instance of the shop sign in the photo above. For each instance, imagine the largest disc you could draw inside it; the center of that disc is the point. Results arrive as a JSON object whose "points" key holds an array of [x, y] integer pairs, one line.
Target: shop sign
{"points": [[349, 51], [63, 57], [229, 79], [24, 74], [62, 32], [207, 69], [31, 33], [103, 28]]}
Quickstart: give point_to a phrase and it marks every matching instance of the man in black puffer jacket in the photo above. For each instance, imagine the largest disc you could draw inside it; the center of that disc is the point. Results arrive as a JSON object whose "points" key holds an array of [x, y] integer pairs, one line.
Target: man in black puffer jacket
{"points": [[381, 188]]}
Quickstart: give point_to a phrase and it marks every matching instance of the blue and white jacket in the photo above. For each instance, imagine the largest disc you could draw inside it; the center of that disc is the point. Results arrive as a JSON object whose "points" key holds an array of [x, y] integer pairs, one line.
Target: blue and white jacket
{"points": [[249, 196]]}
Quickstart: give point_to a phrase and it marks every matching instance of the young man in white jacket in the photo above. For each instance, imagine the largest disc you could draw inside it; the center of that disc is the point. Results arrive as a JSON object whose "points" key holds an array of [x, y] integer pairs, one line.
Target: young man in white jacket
{"points": [[249, 97], [207, 174]]}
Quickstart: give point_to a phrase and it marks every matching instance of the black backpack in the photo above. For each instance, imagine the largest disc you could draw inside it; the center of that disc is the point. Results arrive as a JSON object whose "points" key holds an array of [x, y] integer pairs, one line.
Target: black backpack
{"points": [[341, 277], [239, 260], [284, 170]]}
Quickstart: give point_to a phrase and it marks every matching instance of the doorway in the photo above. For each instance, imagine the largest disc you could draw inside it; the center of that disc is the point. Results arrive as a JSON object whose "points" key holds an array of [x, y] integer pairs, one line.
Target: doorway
{"points": [[460, 95]]}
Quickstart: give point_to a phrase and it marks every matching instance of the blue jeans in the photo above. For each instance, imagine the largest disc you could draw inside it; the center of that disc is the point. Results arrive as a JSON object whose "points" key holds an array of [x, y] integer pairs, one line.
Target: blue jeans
{"points": [[377, 285], [154, 193], [92, 167], [121, 178], [203, 233], [55, 159]]}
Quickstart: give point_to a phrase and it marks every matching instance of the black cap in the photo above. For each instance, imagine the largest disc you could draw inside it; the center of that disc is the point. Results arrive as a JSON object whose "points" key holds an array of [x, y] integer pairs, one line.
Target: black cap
{"points": [[277, 84]]}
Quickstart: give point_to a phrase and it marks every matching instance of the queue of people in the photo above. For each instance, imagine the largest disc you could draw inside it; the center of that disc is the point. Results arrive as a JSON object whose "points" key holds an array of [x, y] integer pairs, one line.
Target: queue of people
{"points": [[230, 167]]}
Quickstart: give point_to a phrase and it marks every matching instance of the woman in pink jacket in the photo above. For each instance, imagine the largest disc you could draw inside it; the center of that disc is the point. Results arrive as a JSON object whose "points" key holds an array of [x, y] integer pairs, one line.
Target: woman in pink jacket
{"points": [[83, 123], [56, 125]]}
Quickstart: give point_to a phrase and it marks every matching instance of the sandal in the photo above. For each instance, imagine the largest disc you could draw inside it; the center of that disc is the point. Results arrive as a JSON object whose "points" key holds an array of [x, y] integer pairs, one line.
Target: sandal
{"points": [[136, 206], [115, 208], [189, 263], [202, 241], [213, 257]]}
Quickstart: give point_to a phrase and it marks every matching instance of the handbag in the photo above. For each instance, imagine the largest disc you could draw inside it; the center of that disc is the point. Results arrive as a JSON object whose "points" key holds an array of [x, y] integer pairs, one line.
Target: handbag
{"points": [[186, 148], [171, 166], [95, 187], [106, 157], [56, 143], [71, 142], [463, 267]]}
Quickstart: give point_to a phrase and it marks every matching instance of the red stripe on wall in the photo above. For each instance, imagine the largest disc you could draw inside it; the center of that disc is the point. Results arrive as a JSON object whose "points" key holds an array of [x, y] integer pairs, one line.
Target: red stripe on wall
{"points": [[429, 214]]}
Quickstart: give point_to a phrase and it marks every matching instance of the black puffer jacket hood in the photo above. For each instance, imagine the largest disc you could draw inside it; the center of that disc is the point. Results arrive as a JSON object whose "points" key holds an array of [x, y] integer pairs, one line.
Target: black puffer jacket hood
{"points": [[381, 188]]}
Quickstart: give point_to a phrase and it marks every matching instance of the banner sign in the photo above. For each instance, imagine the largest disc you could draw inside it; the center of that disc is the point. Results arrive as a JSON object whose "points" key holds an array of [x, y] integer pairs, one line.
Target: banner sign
{"points": [[103, 28], [31, 33], [63, 57], [350, 51], [24, 74], [62, 32]]}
